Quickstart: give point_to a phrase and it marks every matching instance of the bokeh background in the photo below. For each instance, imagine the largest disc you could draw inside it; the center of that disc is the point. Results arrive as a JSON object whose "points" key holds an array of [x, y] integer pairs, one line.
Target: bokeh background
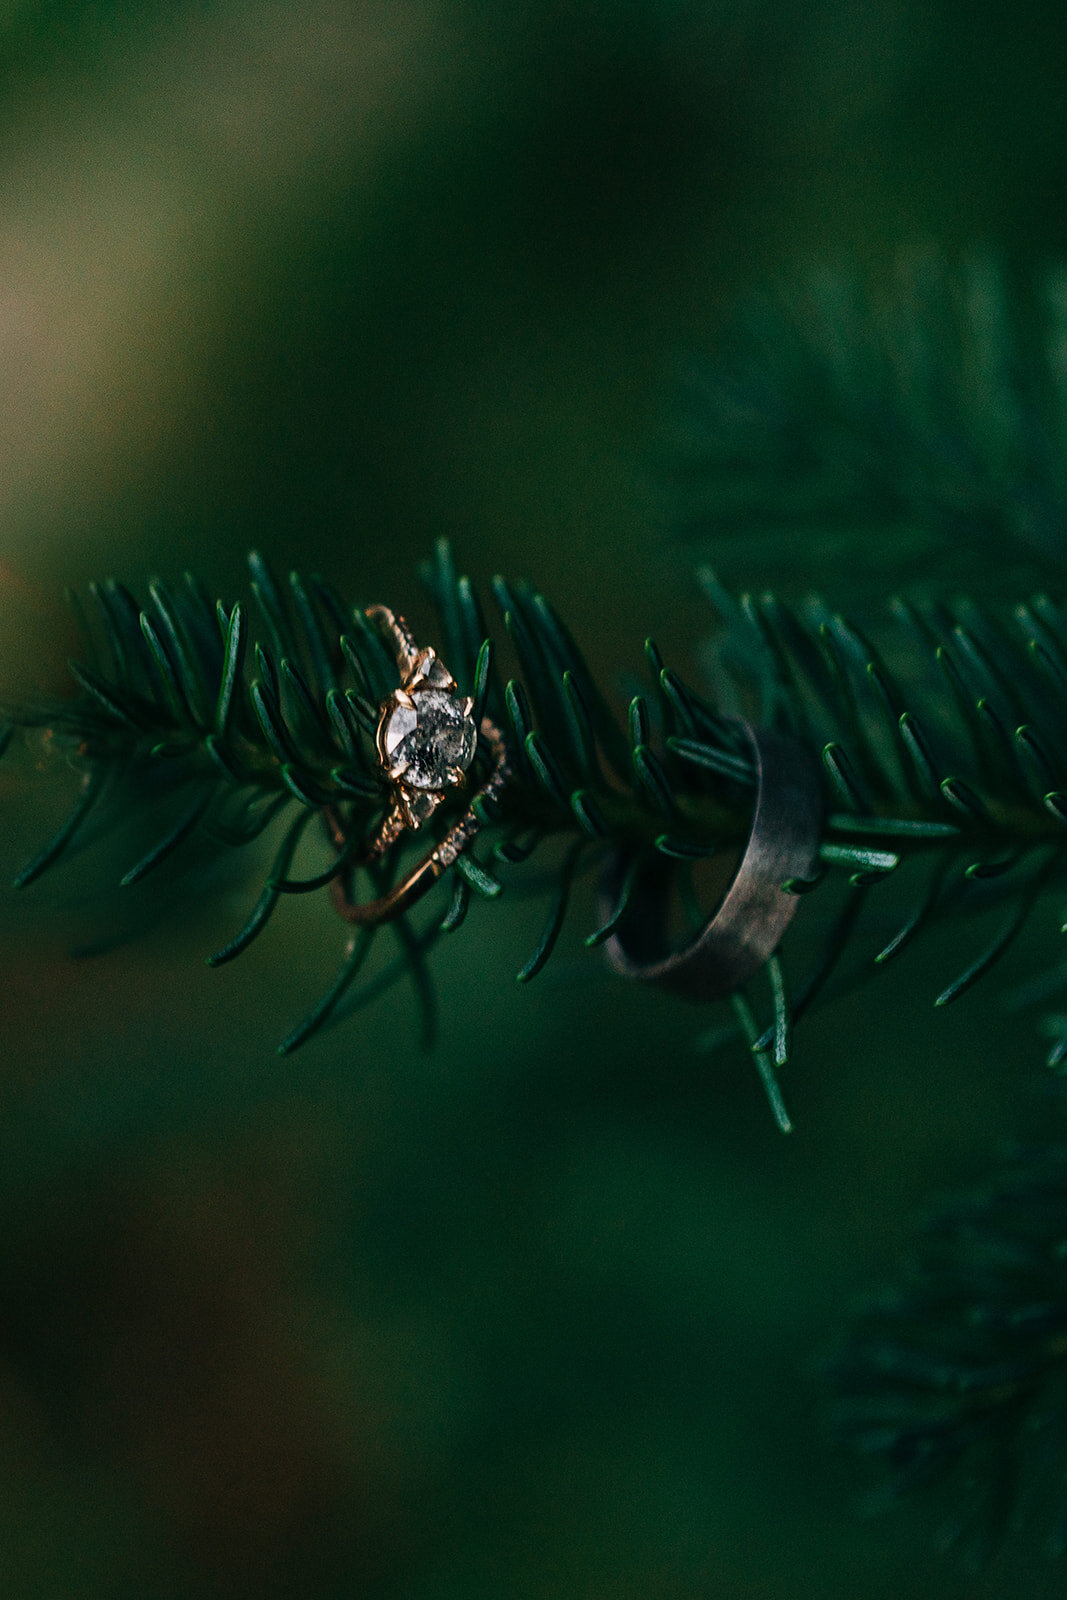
{"points": [[538, 1314]]}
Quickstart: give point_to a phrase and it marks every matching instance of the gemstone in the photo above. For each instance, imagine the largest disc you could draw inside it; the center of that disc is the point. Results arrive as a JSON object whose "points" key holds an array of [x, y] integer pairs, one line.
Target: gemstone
{"points": [[429, 739]]}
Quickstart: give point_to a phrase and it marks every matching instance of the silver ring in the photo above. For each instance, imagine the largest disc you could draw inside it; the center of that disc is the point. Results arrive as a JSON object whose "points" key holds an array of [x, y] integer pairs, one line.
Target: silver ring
{"points": [[755, 912]]}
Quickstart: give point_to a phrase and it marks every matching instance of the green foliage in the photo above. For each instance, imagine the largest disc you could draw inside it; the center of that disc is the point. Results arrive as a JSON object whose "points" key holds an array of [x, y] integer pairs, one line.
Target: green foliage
{"points": [[899, 437], [956, 1381], [947, 767], [886, 427], [940, 735]]}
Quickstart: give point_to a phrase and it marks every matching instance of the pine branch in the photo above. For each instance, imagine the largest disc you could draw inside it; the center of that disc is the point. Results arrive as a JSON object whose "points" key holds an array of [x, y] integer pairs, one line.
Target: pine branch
{"points": [[943, 753], [890, 425], [955, 1382]]}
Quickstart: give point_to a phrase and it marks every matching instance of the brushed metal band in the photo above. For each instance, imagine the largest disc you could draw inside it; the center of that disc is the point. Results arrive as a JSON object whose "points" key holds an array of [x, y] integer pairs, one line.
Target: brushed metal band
{"points": [[755, 912]]}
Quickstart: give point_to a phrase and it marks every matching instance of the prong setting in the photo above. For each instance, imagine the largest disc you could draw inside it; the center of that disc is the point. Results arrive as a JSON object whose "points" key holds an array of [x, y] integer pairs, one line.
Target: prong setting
{"points": [[426, 737]]}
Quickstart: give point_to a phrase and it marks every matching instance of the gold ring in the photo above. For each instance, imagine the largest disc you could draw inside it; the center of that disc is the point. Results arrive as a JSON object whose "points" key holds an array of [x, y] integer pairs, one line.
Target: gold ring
{"points": [[427, 740]]}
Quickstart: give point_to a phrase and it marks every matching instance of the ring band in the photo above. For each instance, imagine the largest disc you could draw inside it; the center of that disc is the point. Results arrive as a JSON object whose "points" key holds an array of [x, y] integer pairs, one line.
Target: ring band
{"points": [[426, 741], [755, 912]]}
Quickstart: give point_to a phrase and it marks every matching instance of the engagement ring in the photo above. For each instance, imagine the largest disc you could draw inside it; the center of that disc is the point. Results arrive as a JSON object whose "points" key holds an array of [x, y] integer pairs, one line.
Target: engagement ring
{"points": [[427, 740], [426, 733]]}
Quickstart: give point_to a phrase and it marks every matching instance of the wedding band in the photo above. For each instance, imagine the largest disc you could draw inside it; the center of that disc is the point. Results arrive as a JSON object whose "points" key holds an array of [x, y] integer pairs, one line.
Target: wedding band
{"points": [[755, 912]]}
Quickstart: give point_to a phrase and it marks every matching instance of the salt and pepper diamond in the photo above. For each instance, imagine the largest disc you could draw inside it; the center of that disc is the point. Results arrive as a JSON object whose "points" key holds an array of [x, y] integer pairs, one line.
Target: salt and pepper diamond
{"points": [[426, 737]]}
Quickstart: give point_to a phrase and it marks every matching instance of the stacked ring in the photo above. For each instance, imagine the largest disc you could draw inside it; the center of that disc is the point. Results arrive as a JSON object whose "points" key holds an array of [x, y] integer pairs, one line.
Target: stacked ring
{"points": [[426, 740]]}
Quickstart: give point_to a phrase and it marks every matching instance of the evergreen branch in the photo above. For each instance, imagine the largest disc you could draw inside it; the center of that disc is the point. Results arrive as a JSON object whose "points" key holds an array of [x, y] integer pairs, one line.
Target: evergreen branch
{"points": [[928, 408], [956, 1380], [943, 752]]}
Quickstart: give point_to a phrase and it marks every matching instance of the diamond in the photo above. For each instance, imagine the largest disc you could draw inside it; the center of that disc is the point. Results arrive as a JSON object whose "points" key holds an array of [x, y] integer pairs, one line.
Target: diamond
{"points": [[428, 738]]}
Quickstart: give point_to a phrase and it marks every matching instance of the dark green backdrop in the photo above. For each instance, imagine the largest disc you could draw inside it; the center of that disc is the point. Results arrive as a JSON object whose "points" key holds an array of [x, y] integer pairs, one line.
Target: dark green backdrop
{"points": [[539, 1314]]}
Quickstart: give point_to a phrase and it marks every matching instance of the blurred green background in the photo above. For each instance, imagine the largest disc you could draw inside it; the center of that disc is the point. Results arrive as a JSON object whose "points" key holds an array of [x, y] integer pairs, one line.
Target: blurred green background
{"points": [[539, 1314]]}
